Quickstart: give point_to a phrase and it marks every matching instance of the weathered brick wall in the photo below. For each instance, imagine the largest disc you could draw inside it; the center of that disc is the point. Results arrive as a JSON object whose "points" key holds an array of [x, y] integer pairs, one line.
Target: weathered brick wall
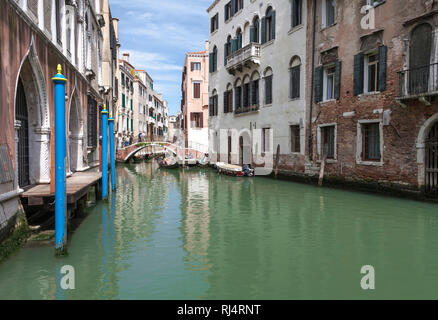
{"points": [[400, 135]]}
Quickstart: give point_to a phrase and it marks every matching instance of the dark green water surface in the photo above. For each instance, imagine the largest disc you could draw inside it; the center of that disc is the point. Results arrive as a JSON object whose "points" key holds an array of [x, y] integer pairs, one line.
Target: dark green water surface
{"points": [[197, 235]]}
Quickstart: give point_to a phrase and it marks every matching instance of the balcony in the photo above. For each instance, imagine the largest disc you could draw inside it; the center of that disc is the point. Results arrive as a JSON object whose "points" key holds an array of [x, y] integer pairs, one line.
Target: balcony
{"points": [[244, 57], [253, 108], [418, 83]]}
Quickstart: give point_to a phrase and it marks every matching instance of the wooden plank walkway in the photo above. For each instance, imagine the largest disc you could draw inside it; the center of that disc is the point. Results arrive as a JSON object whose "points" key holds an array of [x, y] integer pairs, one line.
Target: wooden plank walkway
{"points": [[78, 185]]}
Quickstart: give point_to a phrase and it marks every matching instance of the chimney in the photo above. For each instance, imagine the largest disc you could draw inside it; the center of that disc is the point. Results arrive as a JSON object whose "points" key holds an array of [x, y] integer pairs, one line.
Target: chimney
{"points": [[207, 43], [126, 56]]}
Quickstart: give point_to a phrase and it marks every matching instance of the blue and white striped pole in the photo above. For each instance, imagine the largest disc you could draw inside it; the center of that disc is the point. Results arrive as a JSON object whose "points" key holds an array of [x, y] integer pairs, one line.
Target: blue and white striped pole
{"points": [[60, 156], [104, 152], [112, 155]]}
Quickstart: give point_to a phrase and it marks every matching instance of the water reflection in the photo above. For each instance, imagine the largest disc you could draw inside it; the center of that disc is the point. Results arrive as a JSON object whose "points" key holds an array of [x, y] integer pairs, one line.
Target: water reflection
{"points": [[173, 234]]}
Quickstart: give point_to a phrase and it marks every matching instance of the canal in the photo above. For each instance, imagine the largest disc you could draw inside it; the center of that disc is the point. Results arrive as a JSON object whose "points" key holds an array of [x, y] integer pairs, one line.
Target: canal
{"points": [[196, 235]]}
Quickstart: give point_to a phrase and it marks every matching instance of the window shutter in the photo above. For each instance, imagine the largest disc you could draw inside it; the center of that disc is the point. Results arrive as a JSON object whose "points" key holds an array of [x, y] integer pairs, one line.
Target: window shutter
{"points": [[338, 72], [233, 45], [225, 12], [217, 21], [319, 72], [210, 60], [233, 6], [210, 106], [263, 30], [239, 41], [252, 34], [225, 101], [383, 53], [273, 25], [225, 53], [191, 66], [358, 74]]}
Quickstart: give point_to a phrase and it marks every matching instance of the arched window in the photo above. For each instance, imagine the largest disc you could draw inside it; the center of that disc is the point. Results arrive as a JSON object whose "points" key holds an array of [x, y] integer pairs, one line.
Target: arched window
{"points": [[213, 104], [227, 49], [228, 99], [255, 31], [268, 25], [213, 60], [255, 80], [294, 71], [268, 77], [296, 11], [420, 58]]}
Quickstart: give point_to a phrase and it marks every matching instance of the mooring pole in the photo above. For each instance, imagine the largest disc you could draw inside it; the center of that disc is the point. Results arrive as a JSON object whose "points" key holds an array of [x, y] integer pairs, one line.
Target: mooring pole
{"points": [[104, 152], [112, 155], [60, 157]]}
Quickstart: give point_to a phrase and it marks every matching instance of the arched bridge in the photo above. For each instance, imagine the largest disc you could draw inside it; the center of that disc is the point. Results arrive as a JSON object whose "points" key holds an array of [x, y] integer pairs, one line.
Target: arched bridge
{"points": [[124, 154]]}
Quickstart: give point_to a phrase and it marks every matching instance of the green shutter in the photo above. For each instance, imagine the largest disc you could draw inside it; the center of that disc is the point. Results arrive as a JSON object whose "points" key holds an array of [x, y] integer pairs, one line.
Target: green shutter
{"points": [[338, 73], [210, 60], [132, 124], [225, 53], [383, 53], [123, 100], [252, 34], [263, 30], [273, 25], [225, 101], [127, 124], [210, 106], [319, 73], [358, 74], [233, 45], [131, 104], [239, 41]]}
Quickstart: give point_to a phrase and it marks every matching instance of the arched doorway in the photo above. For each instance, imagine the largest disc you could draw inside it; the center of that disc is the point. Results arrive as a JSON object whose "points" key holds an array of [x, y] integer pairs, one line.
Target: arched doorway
{"points": [[75, 135], [32, 124], [22, 128], [431, 160]]}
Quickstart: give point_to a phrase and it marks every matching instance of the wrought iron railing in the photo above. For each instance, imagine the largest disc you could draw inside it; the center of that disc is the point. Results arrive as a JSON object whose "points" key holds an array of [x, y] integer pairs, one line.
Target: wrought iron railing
{"points": [[418, 81]]}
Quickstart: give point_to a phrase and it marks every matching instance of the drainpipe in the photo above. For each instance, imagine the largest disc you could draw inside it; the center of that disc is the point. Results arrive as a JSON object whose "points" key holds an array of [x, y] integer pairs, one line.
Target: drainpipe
{"points": [[310, 136]]}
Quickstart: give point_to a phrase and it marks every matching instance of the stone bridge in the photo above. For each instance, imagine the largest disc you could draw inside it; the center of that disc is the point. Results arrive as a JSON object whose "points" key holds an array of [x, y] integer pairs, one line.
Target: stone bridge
{"points": [[124, 154]]}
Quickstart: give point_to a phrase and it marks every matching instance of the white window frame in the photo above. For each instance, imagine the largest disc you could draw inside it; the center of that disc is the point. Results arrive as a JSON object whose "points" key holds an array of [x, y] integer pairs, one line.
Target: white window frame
{"points": [[359, 142], [365, 76], [325, 83], [324, 15], [319, 140]]}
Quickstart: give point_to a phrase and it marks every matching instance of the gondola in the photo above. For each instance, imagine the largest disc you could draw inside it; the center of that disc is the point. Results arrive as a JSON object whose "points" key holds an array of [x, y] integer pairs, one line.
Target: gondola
{"points": [[167, 163]]}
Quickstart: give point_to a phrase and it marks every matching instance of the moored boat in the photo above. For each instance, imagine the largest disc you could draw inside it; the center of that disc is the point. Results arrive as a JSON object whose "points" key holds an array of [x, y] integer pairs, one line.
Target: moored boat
{"points": [[234, 170]]}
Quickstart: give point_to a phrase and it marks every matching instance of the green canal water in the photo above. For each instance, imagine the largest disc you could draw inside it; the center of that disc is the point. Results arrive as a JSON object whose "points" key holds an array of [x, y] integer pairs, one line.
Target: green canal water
{"points": [[198, 235]]}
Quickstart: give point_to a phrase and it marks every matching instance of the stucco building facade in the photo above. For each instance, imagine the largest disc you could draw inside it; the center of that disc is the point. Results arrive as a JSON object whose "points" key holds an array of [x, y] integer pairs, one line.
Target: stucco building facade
{"points": [[194, 102], [257, 81]]}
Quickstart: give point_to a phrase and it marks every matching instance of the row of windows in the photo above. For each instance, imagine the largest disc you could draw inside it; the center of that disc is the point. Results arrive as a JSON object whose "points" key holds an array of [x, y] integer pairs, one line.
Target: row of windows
{"points": [[258, 34], [246, 93], [234, 6], [126, 82], [369, 142], [369, 75]]}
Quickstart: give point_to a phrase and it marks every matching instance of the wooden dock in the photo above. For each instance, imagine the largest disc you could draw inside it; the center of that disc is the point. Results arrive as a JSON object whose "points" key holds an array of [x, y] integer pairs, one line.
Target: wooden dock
{"points": [[78, 185]]}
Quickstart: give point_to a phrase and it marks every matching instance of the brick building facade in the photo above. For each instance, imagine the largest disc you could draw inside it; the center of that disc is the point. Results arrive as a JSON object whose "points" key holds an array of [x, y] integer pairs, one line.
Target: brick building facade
{"points": [[373, 111]]}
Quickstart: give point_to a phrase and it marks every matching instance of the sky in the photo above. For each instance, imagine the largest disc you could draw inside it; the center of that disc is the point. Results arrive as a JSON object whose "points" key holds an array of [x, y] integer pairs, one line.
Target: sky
{"points": [[157, 34]]}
